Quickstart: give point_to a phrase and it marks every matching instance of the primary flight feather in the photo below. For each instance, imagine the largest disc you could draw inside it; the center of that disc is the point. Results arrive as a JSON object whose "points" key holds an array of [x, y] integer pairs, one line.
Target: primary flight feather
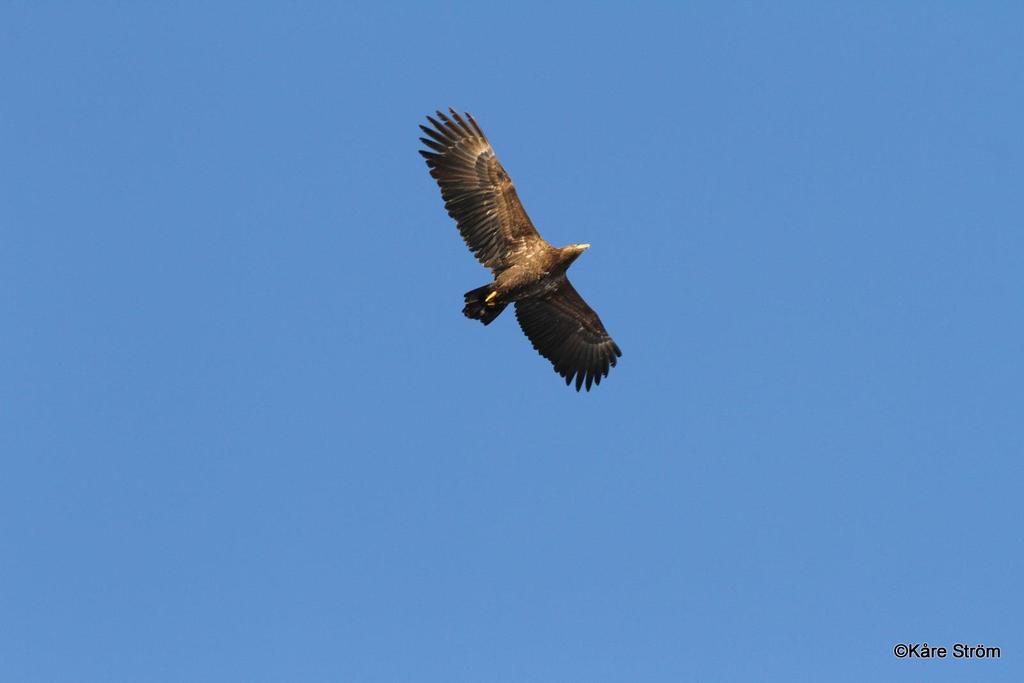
{"points": [[527, 271]]}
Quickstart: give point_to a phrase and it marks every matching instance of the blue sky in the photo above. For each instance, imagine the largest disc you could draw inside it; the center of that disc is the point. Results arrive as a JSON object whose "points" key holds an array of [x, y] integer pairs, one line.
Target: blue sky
{"points": [[247, 434]]}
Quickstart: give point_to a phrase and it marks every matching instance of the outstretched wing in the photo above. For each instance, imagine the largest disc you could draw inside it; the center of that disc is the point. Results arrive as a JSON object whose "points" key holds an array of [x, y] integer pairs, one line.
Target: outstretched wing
{"points": [[477, 191], [566, 331]]}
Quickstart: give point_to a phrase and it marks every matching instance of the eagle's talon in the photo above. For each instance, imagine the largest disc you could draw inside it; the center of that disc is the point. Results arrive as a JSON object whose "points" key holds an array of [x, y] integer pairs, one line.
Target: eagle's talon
{"points": [[489, 301]]}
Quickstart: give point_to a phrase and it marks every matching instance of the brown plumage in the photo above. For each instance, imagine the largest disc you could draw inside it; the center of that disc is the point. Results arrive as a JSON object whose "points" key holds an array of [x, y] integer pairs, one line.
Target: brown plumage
{"points": [[528, 271]]}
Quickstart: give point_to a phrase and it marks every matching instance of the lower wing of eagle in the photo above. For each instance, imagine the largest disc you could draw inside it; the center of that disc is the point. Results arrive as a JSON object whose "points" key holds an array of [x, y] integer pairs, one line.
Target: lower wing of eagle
{"points": [[566, 331]]}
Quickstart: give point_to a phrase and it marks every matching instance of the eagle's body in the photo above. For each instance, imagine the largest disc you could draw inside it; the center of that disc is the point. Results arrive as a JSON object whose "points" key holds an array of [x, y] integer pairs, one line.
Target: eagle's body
{"points": [[527, 270], [539, 270]]}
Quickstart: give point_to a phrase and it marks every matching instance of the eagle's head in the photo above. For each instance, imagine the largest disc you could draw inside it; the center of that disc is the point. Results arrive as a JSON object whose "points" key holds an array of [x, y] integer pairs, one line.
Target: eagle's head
{"points": [[573, 251]]}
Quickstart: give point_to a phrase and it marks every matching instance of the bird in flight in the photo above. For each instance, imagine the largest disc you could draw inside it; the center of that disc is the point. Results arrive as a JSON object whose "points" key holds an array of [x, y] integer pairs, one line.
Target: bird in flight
{"points": [[527, 271]]}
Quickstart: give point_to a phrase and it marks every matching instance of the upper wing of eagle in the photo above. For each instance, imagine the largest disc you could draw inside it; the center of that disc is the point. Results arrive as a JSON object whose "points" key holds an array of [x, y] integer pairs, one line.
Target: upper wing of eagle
{"points": [[566, 331], [477, 191]]}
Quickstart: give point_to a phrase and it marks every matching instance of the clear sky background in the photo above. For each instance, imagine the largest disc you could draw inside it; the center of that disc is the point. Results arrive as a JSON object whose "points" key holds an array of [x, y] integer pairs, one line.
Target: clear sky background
{"points": [[247, 434]]}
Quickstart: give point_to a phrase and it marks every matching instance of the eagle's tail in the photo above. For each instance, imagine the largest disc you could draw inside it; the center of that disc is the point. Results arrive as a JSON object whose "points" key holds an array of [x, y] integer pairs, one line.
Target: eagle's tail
{"points": [[477, 307]]}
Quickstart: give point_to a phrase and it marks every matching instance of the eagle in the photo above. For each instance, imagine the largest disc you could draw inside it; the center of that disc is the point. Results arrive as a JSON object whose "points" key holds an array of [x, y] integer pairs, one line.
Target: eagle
{"points": [[527, 270]]}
